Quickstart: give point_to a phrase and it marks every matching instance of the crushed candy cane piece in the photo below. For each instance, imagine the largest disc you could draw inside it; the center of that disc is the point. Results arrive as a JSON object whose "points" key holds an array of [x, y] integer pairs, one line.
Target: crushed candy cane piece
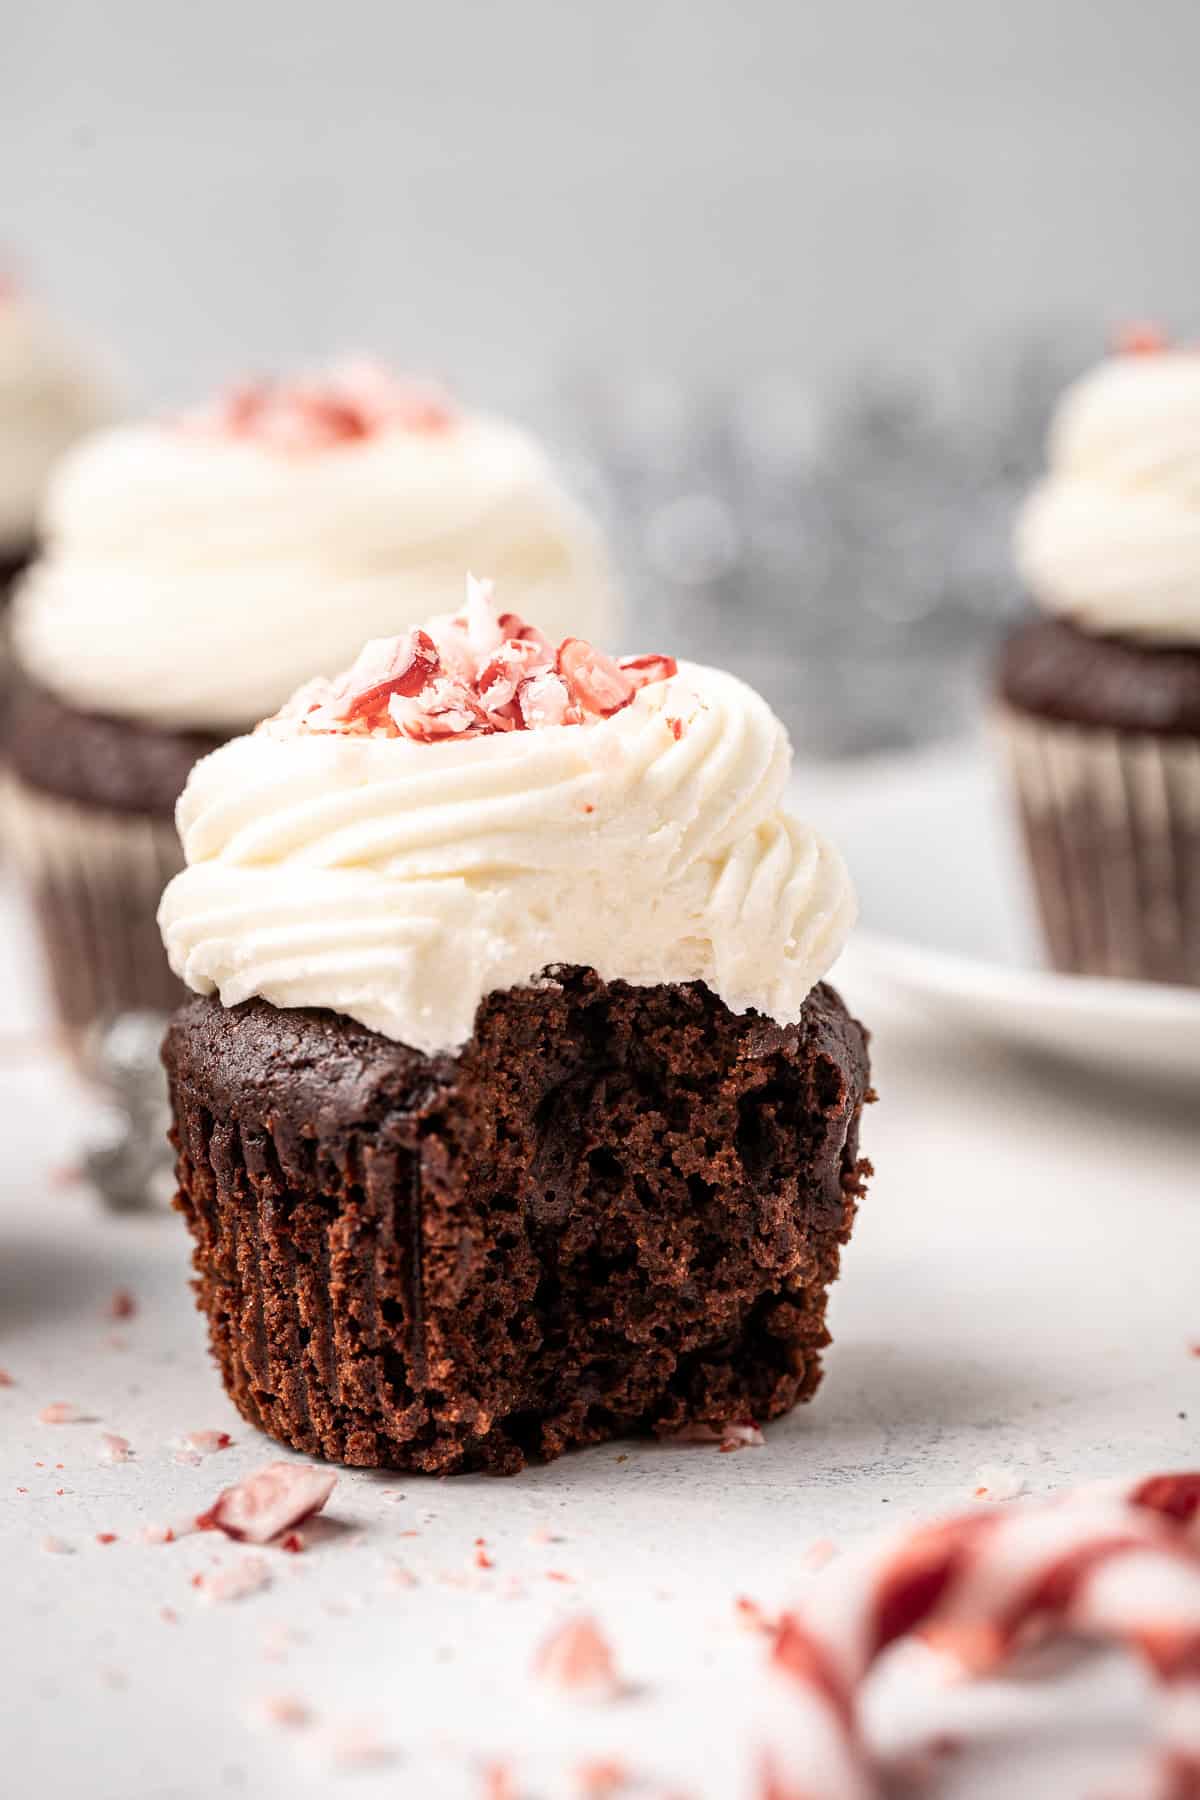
{"points": [[358, 1745], [578, 1659], [122, 1305], [114, 1449], [999, 1481], [106, 1537], [6, 1379], [468, 674], [601, 1776], [205, 1443], [1141, 338], [56, 1546], [249, 1576], [741, 1434], [499, 1782], [157, 1534], [63, 1412], [285, 1710], [269, 1503], [346, 404]]}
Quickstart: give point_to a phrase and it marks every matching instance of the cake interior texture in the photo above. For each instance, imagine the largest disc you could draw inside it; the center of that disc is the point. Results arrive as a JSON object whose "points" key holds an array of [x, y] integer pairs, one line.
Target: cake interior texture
{"points": [[618, 1209]]}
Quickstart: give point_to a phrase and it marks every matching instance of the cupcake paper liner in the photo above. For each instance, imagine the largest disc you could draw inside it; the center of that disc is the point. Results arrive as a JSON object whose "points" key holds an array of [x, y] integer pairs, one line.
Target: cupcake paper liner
{"points": [[1112, 830], [95, 879]]}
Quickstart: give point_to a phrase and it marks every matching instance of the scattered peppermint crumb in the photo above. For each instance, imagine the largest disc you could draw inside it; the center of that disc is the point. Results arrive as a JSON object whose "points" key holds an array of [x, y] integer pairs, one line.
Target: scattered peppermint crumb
{"points": [[482, 1559], [249, 1576], [737, 1434], [750, 1614], [62, 1412], [499, 1782], [1194, 1349], [819, 1553], [544, 1536], [600, 1776], [203, 1443], [6, 1379], [998, 1481], [106, 1537], [558, 1575], [114, 1449], [578, 1659], [401, 1577], [269, 1503], [157, 1534], [357, 1745], [56, 1546], [168, 1615], [285, 1710], [122, 1305]]}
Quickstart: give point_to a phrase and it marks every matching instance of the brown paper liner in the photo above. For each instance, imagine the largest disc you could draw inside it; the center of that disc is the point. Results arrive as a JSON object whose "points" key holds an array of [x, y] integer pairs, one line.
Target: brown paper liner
{"points": [[94, 880], [1112, 829], [389, 1281]]}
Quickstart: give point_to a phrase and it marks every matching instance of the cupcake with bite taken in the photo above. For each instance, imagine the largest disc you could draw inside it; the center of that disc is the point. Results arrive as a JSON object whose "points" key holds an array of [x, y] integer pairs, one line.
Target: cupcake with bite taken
{"points": [[1100, 691], [195, 570], [511, 1111]]}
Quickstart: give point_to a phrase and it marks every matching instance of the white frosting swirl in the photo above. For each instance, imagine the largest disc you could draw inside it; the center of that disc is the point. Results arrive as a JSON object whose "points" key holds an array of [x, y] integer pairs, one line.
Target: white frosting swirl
{"points": [[1111, 536], [400, 883], [48, 398], [195, 581]]}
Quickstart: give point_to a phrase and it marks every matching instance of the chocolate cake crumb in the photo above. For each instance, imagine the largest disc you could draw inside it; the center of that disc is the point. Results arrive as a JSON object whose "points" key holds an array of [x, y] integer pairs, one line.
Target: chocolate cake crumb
{"points": [[617, 1209]]}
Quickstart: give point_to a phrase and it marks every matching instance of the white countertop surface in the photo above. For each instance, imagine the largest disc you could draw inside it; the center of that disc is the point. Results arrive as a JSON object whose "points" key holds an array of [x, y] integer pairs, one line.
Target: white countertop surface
{"points": [[1021, 1290]]}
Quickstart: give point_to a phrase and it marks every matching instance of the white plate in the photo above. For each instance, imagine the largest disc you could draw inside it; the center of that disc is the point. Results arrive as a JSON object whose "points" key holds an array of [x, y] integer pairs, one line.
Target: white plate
{"points": [[946, 918]]}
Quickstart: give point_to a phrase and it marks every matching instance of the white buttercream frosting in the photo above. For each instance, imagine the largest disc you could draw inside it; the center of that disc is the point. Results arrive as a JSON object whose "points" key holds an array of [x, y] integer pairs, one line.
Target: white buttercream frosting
{"points": [[1111, 537], [400, 882], [194, 579], [49, 396]]}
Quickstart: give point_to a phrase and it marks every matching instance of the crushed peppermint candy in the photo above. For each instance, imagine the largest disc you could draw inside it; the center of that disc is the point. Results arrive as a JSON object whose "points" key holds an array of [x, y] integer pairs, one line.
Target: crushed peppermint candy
{"points": [[470, 674], [249, 1576], [578, 1659], [56, 1546], [347, 404], [270, 1503], [739, 1434], [286, 1710], [201, 1443], [114, 1449], [122, 1305], [998, 1481], [63, 1412]]}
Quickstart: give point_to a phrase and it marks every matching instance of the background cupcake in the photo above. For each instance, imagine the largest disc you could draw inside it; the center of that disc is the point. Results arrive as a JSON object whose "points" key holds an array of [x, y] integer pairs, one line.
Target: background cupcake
{"points": [[49, 396], [195, 570], [1101, 694]]}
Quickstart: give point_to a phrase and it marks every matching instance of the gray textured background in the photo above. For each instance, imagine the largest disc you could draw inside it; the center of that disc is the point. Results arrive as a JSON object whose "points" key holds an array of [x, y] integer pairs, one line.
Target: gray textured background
{"points": [[504, 190]]}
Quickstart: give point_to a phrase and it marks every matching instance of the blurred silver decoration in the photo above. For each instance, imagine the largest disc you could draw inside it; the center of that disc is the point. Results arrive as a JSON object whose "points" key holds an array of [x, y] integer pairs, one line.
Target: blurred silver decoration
{"points": [[127, 1158], [848, 552]]}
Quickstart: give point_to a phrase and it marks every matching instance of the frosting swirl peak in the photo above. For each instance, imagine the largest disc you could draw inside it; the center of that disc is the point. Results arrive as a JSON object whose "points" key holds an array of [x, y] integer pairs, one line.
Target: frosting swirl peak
{"points": [[1111, 536]]}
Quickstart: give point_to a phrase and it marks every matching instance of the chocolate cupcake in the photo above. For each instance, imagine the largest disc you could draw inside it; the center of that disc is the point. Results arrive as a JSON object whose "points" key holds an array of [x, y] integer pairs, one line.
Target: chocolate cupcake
{"points": [[512, 1112], [1100, 695], [195, 571]]}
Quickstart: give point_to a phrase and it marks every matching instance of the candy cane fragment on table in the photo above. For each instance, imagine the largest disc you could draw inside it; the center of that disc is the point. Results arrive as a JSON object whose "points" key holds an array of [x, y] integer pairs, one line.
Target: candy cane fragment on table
{"points": [[1114, 1563]]}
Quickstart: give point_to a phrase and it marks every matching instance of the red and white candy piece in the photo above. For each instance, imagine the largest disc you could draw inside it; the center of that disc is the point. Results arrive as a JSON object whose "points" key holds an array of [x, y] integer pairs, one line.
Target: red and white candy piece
{"points": [[268, 1503], [471, 673], [350, 402], [578, 1659], [1114, 1564]]}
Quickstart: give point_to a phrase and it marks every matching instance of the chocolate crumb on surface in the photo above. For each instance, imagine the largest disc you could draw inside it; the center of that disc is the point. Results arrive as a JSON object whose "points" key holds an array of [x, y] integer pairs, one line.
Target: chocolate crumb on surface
{"points": [[617, 1210]]}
